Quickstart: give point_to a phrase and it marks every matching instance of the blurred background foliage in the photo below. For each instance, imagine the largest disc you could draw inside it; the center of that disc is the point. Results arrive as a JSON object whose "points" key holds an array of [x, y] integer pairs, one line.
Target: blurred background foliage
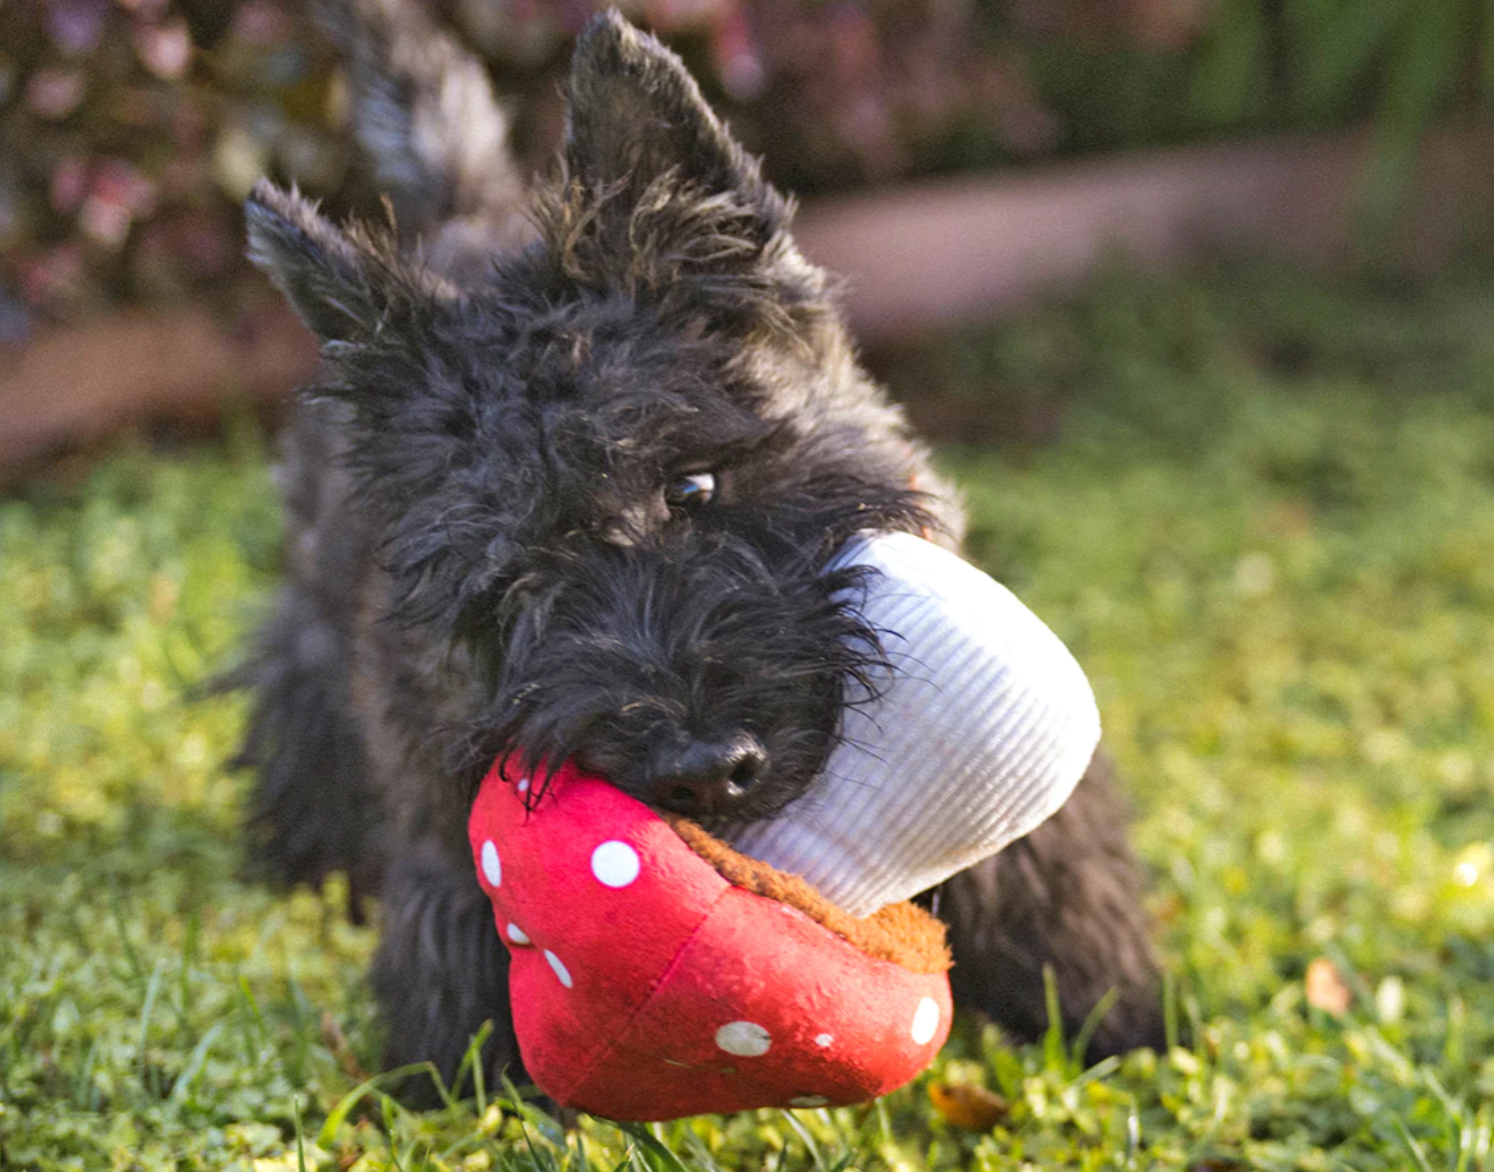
{"points": [[130, 129], [1260, 505]]}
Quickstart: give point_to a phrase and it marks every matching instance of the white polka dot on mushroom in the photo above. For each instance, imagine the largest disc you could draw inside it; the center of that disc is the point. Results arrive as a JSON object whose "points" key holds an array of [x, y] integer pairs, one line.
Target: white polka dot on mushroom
{"points": [[745, 1039], [615, 864], [523, 786], [925, 1021], [516, 934], [492, 869], [823, 1040], [562, 974]]}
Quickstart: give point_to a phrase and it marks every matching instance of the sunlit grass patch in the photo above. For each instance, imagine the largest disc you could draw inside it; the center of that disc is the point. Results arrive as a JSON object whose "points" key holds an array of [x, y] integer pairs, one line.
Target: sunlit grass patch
{"points": [[1266, 527]]}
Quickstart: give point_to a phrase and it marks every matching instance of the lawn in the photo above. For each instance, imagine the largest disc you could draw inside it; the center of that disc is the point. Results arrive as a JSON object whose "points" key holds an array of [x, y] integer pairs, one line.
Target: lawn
{"points": [[1264, 520]]}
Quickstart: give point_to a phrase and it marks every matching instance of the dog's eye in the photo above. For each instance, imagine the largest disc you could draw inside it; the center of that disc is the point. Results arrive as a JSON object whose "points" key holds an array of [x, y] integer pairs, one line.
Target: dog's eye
{"points": [[691, 490]]}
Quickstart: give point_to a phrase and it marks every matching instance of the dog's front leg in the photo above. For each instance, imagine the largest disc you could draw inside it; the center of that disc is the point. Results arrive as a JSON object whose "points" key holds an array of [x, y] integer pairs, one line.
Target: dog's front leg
{"points": [[1069, 896], [441, 971]]}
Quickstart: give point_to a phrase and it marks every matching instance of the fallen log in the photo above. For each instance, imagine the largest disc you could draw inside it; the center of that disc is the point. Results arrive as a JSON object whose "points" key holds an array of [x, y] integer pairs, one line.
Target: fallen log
{"points": [[914, 257], [72, 386], [942, 252]]}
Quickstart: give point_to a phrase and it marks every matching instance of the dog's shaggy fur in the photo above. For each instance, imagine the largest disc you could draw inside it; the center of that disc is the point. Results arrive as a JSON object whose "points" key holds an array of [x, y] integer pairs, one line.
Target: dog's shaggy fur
{"points": [[566, 491]]}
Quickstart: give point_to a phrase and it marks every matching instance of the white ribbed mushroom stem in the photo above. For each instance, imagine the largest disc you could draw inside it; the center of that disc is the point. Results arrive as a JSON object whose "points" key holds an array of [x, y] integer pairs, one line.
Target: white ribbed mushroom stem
{"points": [[981, 732]]}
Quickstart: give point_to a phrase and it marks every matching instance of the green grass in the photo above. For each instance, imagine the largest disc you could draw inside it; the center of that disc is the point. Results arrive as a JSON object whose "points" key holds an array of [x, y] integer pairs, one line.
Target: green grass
{"points": [[1267, 528]]}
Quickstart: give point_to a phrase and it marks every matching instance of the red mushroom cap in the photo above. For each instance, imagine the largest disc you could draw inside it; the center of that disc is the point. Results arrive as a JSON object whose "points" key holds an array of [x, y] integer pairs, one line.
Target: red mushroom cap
{"points": [[646, 986]]}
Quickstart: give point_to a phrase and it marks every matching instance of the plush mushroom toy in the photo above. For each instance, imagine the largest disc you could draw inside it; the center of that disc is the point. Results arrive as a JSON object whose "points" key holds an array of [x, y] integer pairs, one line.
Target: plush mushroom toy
{"points": [[657, 971]]}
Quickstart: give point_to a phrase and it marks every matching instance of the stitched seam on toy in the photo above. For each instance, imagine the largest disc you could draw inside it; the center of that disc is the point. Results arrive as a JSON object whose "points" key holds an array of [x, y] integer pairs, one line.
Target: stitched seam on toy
{"points": [[653, 989], [902, 933]]}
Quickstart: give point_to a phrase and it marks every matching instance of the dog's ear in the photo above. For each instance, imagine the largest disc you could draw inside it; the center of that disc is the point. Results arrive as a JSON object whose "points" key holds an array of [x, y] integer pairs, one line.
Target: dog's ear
{"points": [[662, 203], [636, 114], [343, 285]]}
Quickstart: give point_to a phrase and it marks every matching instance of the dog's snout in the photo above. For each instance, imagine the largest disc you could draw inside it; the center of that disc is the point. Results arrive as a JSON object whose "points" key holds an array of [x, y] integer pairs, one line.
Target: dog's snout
{"points": [[707, 777]]}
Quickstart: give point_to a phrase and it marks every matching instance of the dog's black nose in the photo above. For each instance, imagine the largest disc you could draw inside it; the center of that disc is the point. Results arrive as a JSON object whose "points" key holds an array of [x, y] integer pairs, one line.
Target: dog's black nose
{"points": [[707, 777]]}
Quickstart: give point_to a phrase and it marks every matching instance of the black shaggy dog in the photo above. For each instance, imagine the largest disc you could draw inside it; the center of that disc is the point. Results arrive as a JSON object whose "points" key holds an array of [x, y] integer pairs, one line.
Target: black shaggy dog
{"points": [[566, 491]]}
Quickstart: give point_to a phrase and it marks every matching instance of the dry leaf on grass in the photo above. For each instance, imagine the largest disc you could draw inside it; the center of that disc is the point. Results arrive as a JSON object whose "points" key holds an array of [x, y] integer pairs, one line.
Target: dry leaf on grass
{"points": [[337, 1041], [969, 1106], [1326, 989]]}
